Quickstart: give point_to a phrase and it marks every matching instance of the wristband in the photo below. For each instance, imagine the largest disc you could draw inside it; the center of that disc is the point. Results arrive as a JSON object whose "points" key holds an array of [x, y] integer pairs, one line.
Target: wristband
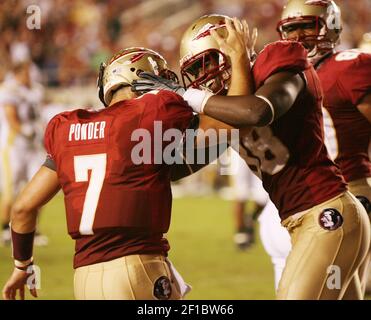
{"points": [[22, 245], [197, 99], [23, 265], [270, 106]]}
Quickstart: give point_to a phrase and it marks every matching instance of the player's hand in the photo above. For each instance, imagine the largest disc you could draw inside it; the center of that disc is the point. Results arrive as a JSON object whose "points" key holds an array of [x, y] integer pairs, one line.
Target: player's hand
{"points": [[149, 82], [234, 44], [250, 39], [15, 284], [195, 98]]}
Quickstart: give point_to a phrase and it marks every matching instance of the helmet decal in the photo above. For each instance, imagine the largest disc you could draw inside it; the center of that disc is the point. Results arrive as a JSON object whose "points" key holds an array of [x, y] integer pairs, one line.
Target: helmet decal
{"points": [[154, 66], [137, 57], [206, 30]]}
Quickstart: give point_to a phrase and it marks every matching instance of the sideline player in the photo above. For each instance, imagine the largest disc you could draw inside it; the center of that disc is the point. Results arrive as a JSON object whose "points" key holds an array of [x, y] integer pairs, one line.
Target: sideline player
{"points": [[117, 208], [247, 188], [284, 147], [346, 82], [20, 99]]}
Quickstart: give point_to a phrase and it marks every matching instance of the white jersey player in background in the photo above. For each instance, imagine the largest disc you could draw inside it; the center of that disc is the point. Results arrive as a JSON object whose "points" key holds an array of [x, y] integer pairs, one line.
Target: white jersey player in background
{"points": [[247, 188], [21, 151], [275, 238]]}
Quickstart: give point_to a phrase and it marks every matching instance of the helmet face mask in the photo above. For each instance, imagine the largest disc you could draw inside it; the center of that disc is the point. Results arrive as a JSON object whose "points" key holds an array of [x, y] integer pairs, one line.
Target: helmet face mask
{"points": [[325, 17], [208, 70], [125, 67], [202, 63], [311, 35]]}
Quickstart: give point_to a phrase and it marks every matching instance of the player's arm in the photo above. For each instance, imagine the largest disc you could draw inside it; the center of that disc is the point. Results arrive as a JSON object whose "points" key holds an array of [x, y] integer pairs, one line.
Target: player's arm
{"points": [[43, 186], [271, 101], [200, 148], [201, 157], [15, 124], [207, 125], [365, 107]]}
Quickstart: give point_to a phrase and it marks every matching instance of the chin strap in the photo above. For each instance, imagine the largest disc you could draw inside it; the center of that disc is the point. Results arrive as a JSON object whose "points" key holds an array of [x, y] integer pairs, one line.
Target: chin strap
{"points": [[102, 67]]}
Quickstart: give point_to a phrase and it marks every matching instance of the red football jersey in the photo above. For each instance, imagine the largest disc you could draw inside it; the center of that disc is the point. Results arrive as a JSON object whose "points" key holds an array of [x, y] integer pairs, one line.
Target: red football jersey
{"points": [[289, 155], [117, 193], [346, 78]]}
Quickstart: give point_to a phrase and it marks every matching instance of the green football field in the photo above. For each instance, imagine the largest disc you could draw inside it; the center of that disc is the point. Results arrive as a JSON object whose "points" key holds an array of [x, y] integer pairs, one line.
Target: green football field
{"points": [[201, 249]]}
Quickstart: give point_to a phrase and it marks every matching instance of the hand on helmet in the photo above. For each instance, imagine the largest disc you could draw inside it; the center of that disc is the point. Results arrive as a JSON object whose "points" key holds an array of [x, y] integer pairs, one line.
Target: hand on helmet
{"points": [[195, 98], [150, 81], [250, 39], [235, 44]]}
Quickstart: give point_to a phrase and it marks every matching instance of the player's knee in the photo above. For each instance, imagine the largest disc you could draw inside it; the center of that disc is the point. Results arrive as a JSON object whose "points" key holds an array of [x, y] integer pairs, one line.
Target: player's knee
{"points": [[19, 208]]}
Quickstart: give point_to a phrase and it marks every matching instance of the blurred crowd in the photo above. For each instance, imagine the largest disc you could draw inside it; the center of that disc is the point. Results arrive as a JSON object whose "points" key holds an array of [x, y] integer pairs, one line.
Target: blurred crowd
{"points": [[76, 35]]}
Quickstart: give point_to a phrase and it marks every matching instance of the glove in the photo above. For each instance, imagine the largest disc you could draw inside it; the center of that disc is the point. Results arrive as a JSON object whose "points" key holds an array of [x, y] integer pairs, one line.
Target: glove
{"points": [[195, 98], [151, 82]]}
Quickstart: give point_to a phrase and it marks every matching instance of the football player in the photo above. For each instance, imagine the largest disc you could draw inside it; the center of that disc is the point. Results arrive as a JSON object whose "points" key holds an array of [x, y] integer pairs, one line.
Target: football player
{"points": [[275, 240], [20, 99], [346, 82], [118, 209], [247, 187], [329, 228]]}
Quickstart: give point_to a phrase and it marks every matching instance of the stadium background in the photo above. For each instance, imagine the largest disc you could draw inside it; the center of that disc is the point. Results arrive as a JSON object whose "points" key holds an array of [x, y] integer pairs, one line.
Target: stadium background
{"points": [[75, 36]]}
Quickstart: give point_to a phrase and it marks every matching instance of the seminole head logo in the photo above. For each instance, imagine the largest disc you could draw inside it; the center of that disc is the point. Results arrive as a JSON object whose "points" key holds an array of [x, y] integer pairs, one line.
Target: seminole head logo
{"points": [[162, 288], [330, 219]]}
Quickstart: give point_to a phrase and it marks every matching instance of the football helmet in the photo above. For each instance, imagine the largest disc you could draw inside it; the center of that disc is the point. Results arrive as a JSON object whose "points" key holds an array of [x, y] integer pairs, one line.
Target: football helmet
{"points": [[202, 63], [125, 66], [326, 16], [365, 44]]}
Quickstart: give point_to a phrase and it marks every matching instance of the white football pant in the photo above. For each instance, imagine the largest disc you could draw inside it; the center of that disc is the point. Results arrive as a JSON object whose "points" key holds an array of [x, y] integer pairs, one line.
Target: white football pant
{"points": [[275, 239]]}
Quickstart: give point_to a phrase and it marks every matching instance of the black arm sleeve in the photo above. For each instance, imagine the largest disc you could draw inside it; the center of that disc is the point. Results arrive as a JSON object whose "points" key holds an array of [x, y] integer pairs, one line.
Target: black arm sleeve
{"points": [[49, 163]]}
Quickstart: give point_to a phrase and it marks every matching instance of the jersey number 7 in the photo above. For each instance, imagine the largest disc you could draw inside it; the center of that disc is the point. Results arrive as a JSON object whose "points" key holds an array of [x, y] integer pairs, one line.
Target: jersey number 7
{"points": [[97, 164]]}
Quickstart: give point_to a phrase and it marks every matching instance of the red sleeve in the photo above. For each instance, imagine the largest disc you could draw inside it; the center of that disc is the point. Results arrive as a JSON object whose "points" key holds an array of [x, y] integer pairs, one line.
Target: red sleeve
{"points": [[48, 137], [175, 112], [279, 56], [355, 80]]}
